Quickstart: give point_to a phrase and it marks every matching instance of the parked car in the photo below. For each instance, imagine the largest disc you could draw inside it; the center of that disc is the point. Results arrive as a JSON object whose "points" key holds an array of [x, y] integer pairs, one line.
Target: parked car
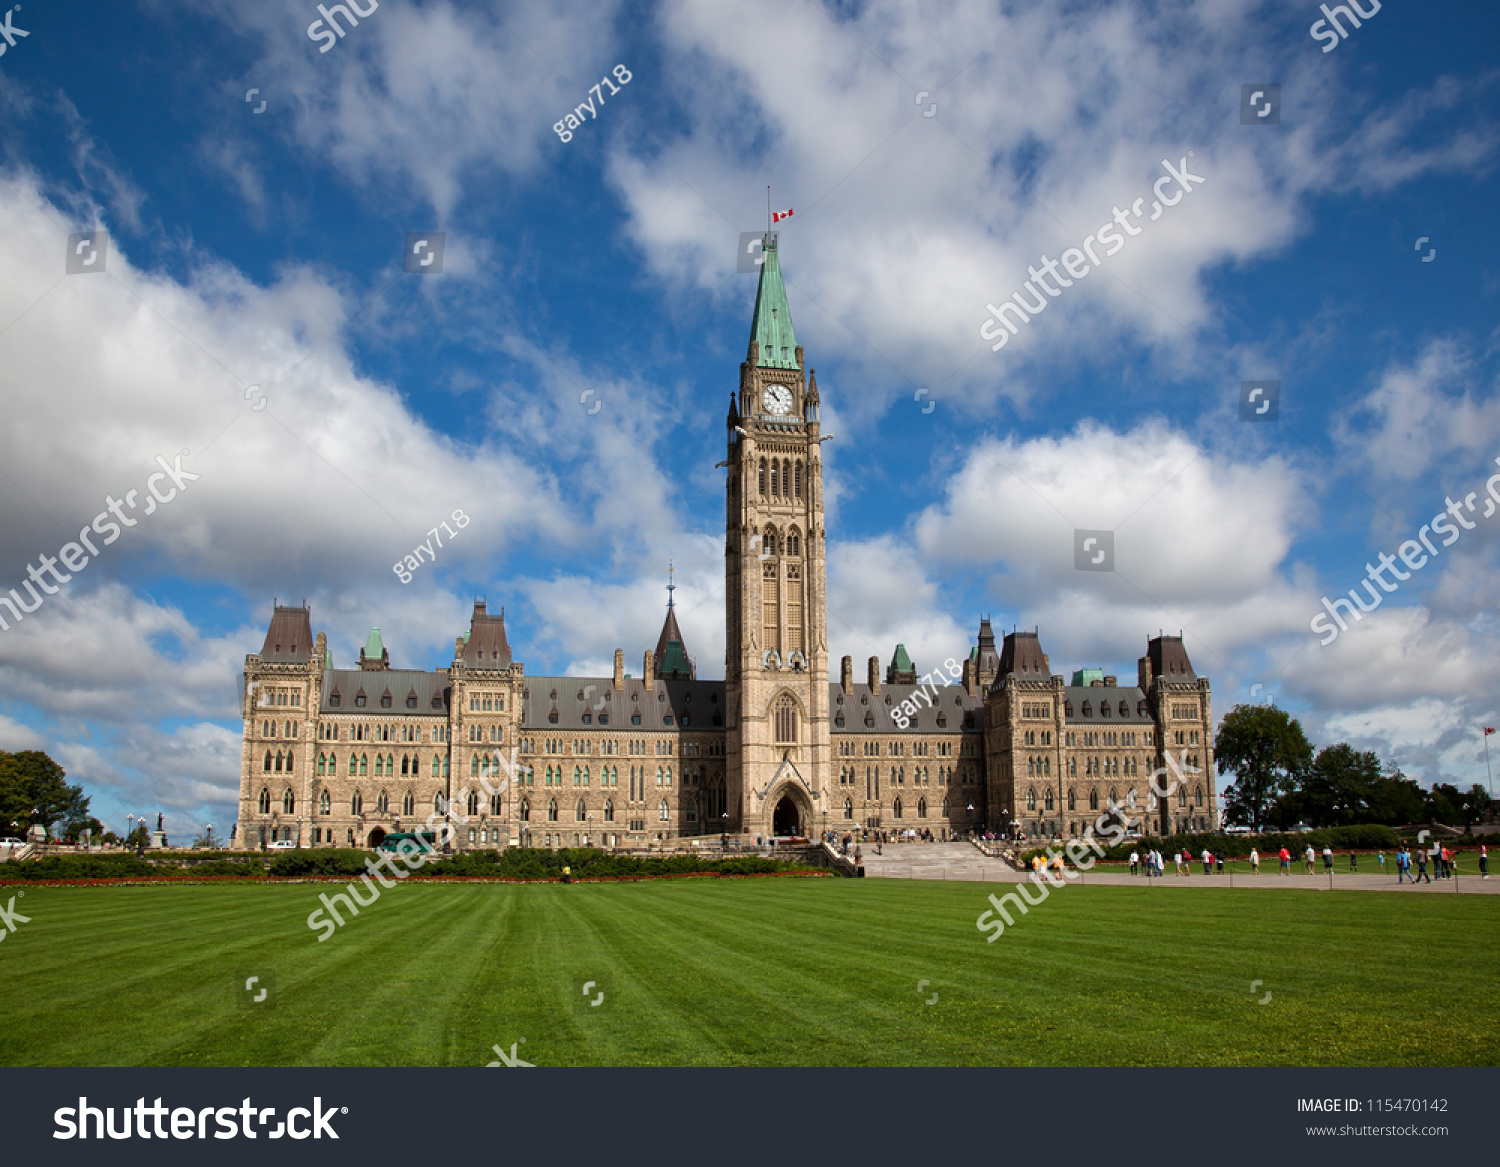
{"points": [[12, 844], [283, 845]]}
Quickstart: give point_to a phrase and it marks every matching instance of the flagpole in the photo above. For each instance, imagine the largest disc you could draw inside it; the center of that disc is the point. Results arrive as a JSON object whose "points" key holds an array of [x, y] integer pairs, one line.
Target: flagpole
{"points": [[768, 209], [1489, 777]]}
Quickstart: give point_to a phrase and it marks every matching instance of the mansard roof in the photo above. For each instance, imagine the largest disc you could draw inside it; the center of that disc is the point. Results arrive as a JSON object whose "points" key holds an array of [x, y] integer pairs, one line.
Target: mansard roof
{"points": [[289, 639], [400, 683], [1022, 655], [1169, 659], [1084, 705], [691, 705], [953, 710], [486, 646]]}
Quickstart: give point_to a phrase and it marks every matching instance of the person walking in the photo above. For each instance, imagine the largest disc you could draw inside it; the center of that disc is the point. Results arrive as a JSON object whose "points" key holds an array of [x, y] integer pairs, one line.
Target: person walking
{"points": [[1403, 865], [1327, 857], [1380, 856], [1208, 861], [1286, 861], [1484, 862], [1311, 858], [1254, 861], [1422, 868], [1353, 862], [1219, 859], [1134, 861], [1445, 861]]}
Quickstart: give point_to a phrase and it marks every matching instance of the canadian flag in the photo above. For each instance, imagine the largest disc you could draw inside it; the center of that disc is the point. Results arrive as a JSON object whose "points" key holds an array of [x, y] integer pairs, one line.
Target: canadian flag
{"points": [[1488, 731], [780, 215]]}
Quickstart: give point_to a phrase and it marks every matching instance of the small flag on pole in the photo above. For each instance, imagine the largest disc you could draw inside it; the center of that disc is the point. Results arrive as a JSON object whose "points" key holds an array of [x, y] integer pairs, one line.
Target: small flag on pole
{"points": [[777, 216], [1488, 731]]}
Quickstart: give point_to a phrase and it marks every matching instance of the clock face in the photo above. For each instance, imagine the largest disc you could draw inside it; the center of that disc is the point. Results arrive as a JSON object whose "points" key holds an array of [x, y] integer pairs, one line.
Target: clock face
{"points": [[778, 399]]}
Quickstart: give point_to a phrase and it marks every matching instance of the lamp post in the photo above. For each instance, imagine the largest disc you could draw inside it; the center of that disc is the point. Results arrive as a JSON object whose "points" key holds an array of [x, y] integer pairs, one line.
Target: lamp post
{"points": [[129, 828], [724, 837]]}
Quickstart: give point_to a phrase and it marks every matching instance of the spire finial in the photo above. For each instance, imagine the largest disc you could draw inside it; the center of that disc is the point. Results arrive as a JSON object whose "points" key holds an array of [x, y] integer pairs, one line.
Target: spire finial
{"points": [[671, 583]]}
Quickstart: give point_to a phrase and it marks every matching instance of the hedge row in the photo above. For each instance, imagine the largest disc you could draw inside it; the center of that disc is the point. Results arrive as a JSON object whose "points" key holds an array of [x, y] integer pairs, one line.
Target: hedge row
{"points": [[516, 863], [1341, 839]]}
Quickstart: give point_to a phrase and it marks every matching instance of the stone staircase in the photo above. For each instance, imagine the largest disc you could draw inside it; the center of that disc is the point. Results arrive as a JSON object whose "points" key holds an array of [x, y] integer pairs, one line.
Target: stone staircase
{"points": [[941, 861]]}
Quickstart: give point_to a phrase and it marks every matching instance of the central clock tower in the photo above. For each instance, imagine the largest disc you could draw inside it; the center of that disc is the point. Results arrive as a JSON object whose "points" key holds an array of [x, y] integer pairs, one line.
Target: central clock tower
{"points": [[779, 759]]}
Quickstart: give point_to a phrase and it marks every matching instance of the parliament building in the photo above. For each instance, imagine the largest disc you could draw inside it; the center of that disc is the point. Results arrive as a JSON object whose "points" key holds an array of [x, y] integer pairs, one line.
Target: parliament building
{"points": [[343, 757]]}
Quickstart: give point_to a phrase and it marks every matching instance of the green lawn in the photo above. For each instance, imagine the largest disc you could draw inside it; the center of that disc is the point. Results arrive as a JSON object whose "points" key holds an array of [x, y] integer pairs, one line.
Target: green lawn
{"points": [[750, 972]]}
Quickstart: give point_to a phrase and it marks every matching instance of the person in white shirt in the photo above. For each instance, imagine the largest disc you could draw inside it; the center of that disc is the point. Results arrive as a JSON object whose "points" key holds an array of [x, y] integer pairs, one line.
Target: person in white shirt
{"points": [[1311, 857], [1254, 861], [1134, 861], [1208, 861]]}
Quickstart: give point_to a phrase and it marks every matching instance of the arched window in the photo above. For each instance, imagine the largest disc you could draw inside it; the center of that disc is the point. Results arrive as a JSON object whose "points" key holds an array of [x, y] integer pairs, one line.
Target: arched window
{"points": [[408, 804], [288, 802], [322, 764], [267, 766], [1031, 798], [474, 766], [1093, 800], [763, 477], [552, 810], [921, 808], [356, 803], [494, 804], [525, 810], [1072, 800], [325, 804], [379, 765], [786, 479], [1049, 799], [265, 801], [382, 803], [897, 808], [1182, 796], [945, 806], [363, 767], [798, 479], [1197, 796], [580, 812], [664, 812], [434, 766], [786, 719], [609, 810], [848, 808], [768, 542], [775, 478]]}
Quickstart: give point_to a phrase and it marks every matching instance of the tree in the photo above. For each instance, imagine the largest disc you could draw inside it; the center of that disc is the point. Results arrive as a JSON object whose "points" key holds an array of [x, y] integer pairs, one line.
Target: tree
{"points": [[207, 841], [1397, 800], [30, 782], [1267, 751], [1339, 787]]}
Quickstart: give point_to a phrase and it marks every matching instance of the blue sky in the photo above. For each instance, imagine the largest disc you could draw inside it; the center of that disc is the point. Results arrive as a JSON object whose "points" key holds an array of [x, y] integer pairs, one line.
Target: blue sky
{"points": [[264, 249]]}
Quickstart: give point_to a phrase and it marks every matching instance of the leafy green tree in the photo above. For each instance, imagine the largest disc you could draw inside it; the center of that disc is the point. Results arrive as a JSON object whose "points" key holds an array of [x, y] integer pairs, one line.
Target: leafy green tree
{"points": [[1266, 751], [1339, 787], [32, 790], [207, 841], [1397, 800]]}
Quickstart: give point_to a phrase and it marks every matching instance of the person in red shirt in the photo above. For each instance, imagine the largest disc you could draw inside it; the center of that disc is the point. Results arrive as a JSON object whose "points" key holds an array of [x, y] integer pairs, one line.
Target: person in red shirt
{"points": [[1286, 861]]}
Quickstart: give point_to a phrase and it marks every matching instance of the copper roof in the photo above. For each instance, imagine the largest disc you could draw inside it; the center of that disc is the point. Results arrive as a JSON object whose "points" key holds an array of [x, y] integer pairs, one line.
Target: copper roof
{"points": [[289, 640]]}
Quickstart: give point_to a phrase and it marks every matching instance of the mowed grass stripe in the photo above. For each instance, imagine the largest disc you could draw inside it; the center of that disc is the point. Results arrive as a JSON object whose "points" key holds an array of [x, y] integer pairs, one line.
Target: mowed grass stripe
{"points": [[774, 972]]}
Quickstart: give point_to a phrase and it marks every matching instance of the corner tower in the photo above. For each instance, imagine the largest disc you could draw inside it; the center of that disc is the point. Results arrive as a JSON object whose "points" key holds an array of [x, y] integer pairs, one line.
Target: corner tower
{"points": [[778, 755]]}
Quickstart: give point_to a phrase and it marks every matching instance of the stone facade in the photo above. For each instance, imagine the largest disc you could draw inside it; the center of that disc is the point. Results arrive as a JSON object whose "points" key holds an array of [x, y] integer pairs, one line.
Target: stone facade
{"points": [[344, 757]]}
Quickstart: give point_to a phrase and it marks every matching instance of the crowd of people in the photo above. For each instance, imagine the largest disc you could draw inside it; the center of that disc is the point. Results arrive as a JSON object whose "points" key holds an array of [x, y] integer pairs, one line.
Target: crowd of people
{"points": [[1444, 862]]}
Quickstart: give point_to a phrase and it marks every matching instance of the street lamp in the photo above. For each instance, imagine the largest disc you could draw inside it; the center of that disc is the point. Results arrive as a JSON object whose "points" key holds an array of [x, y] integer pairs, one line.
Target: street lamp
{"points": [[724, 840]]}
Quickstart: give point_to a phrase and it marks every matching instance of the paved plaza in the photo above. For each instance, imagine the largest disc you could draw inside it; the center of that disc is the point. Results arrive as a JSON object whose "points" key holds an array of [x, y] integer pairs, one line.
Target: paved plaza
{"points": [[963, 862]]}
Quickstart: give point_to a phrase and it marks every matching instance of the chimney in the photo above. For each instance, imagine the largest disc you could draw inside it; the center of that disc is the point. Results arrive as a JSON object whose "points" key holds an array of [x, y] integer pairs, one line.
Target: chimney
{"points": [[458, 648], [648, 670], [846, 675], [874, 674], [320, 648], [970, 681], [1143, 673], [1111, 682], [619, 668]]}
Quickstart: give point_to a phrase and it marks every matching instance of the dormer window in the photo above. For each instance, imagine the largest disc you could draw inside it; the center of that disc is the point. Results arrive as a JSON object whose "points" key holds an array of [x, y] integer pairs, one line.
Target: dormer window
{"points": [[333, 699], [359, 699], [385, 700], [1088, 709], [411, 700]]}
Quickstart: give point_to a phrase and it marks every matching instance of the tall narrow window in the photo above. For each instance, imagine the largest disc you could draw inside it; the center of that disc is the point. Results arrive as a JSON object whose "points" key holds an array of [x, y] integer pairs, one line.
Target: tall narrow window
{"points": [[775, 478], [798, 479], [265, 801], [762, 477], [786, 720]]}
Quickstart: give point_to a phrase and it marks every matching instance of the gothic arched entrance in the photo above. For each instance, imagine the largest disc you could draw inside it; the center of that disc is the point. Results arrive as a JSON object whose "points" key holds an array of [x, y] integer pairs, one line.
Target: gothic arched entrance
{"points": [[786, 819], [377, 836]]}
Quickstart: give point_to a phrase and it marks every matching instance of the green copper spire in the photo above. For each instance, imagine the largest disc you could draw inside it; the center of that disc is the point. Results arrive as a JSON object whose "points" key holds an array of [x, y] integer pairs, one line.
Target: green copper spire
{"points": [[374, 649], [772, 327]]}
